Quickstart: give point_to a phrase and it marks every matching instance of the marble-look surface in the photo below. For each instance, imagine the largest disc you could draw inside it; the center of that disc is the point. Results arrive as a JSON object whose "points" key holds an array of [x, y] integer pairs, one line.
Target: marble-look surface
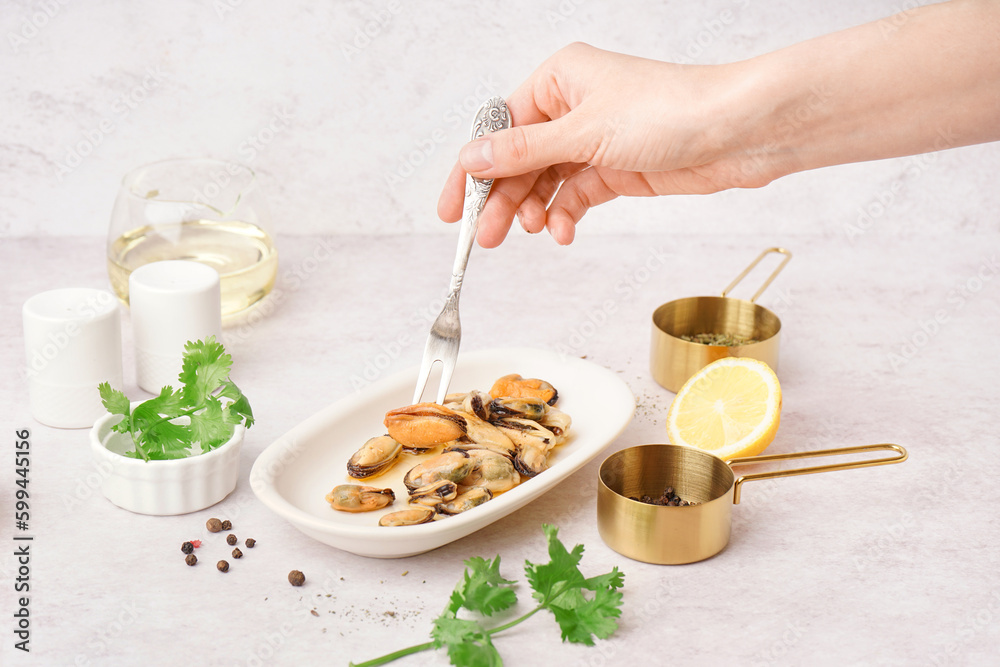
{"points": [[354, 133], [896, 565]]}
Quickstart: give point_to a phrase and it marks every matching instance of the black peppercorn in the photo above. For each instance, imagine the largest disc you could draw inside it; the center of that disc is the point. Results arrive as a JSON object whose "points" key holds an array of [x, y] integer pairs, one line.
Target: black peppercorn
{"points": [[237, 553], [250, 542], [213, 525], [231, 539], [187, 548], [222, 566], [296, 578], [190, 559], [227, 525]]}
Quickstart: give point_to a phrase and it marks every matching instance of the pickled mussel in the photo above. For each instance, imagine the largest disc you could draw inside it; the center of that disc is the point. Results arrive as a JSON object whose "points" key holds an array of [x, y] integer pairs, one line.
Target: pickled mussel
{"points": [[558, 422], [357, 498], [480, 434], [474, 497], [478, 403], [435, 493], [532, 459], [409, 517], [492, 471], [525, 408], [424, 425], [526, 432], [489, 443], [452, 465], [515, 386], [375, 456]]}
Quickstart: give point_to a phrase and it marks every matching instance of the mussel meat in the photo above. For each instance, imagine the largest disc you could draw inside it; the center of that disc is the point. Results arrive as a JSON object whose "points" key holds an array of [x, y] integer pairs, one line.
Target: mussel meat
{"points": [[452, 465], [357, 498], [375, 456], [516, 386], [474, 497], [435, 493], [424, 425], [526, 432], [491, 471], [525, 408], [483, 435], [407, 517]]}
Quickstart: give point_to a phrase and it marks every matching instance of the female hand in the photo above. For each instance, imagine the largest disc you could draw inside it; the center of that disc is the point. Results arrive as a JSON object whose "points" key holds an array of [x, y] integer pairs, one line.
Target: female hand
{"points": [[591, 125], [600, 125]]}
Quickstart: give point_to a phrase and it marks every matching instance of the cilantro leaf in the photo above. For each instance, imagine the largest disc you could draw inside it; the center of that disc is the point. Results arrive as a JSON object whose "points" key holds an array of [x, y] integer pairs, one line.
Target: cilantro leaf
{"points": [[468, 644], [583, 608], [206, 366], [561, 570], [482, 588], [579, 617], [116, 403], [560, 587], [208, 427], [157, 426]]}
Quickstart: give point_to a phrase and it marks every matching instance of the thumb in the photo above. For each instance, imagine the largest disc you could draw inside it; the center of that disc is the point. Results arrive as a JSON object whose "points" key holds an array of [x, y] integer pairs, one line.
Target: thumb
{"points": [[520, 150]]}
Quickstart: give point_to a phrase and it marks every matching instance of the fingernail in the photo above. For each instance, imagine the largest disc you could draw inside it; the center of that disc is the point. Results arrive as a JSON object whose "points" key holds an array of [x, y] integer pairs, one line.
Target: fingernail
{"points": [[477, 155]]}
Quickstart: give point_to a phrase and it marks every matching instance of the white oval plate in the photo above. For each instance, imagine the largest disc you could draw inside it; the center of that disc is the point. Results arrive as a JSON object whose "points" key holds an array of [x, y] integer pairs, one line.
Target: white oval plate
{"points": [[294, 473]]}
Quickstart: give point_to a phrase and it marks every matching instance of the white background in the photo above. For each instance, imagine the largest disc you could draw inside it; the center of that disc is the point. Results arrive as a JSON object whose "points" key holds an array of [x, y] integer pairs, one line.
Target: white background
{"points": [[888, 334]]}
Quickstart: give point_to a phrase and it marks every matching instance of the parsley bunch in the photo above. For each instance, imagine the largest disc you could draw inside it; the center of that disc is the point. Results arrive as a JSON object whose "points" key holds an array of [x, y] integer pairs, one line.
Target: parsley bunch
{"points": [[583, 608], [211, 421]]}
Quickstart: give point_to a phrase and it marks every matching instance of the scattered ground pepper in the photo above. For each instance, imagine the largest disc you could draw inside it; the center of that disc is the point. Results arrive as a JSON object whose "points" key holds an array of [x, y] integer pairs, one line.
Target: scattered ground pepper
{"points": [[213, 525], [314, 612], [231, 539], [296, 578], [187, 547], [227, 525], [250, 542], [190, 559], [237, 553], [222, 566]]}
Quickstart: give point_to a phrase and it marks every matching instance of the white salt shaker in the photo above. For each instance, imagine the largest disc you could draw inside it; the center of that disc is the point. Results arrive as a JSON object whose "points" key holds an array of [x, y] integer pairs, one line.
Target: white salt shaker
{"points": [[73, 342], [172, 302]]}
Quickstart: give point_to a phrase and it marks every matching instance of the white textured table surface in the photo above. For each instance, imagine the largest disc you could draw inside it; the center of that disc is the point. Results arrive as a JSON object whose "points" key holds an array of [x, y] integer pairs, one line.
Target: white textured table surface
{"points": [[890, 565]]}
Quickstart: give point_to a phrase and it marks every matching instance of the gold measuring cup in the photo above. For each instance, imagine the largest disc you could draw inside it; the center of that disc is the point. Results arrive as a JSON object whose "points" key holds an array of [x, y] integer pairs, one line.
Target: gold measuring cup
{"points": [[673, 360], [676, 535]]}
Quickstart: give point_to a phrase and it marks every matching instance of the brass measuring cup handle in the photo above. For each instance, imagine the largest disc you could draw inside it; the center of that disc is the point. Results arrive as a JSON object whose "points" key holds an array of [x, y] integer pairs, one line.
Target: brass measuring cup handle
{"points": [[900, 456], [788, 256]]}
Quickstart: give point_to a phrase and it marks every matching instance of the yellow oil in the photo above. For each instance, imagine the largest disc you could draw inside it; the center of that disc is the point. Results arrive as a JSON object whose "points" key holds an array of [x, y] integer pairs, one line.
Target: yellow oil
{"points": [[242, 253]]}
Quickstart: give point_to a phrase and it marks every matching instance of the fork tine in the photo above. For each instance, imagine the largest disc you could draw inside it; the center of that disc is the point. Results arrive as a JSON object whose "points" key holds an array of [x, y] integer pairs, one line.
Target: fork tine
{"points": [[425, 373], [448, 369]]}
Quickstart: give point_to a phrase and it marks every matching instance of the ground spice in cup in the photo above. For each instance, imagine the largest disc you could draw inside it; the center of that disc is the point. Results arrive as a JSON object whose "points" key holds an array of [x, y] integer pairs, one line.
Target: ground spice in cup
{"points": [[668, 498], [726, 340]]}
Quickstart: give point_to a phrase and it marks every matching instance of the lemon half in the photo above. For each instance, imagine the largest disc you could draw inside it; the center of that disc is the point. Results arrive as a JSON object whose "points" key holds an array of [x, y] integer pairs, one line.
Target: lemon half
{"points": [[730, 408]]}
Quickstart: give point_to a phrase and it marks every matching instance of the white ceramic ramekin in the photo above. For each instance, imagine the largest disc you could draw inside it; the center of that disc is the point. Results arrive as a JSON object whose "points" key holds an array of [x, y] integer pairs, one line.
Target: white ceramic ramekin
{"points": [[176, 486]]}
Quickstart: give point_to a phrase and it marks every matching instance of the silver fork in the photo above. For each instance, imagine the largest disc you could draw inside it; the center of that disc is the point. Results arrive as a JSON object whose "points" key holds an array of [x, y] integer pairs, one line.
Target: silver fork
{"points": [[446, 332]]}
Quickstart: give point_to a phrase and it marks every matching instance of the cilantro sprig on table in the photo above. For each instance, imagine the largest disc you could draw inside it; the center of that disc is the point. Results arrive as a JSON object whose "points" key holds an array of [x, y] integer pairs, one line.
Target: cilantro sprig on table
{"points": [[213, 404], [584, 608]]}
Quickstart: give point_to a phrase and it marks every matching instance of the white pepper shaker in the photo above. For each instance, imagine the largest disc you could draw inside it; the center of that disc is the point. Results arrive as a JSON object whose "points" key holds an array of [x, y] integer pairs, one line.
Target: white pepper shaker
{"points": [[172, 302], [73, 342]]}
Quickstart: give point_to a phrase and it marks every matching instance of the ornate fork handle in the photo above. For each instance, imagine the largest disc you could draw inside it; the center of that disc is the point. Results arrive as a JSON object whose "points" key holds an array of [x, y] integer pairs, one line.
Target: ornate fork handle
{"points": [[492, 116]]}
